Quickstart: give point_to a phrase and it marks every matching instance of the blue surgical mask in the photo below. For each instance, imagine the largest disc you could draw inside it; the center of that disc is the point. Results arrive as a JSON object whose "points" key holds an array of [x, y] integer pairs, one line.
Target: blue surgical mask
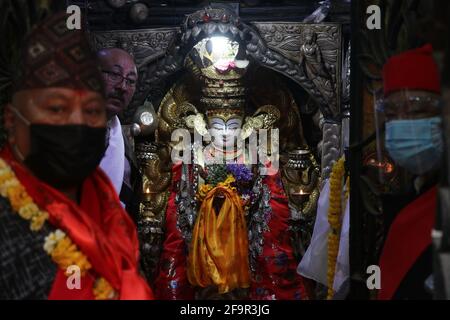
{"points": [[415, 145]]}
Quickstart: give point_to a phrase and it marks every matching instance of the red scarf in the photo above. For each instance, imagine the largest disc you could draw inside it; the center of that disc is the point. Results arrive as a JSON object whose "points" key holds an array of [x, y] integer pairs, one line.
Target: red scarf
{"points": [[408, 237], [100, 228]]}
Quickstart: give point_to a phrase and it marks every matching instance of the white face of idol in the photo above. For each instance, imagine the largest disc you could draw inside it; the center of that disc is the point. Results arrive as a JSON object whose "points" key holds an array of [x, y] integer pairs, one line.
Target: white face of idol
{"points": [[224, 134]]}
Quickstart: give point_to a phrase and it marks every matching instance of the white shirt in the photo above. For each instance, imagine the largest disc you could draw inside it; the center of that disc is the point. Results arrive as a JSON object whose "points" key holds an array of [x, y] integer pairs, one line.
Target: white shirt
{"points": [[113, 162]]}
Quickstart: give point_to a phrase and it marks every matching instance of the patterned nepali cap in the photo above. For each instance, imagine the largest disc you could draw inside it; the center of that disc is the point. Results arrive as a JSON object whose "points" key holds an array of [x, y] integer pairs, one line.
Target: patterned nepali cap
{"points": [[55, 56]]}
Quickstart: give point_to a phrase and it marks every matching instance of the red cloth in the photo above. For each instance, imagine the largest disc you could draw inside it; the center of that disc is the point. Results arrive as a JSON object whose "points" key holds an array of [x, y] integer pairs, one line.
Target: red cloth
{"points": [[408, 237], [413, 69], [276, 276], [171, 282], [100, 228]]}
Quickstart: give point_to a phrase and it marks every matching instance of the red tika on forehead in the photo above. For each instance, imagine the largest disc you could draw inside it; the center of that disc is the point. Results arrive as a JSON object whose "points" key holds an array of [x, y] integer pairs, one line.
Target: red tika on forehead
{"points": [[54, 56]]}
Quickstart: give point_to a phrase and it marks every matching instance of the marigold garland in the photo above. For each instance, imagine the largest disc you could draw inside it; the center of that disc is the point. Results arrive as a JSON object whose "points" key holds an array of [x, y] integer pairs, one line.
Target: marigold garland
{"points": [[103, 290], [335, 218], [64, 252], [57, 244]]}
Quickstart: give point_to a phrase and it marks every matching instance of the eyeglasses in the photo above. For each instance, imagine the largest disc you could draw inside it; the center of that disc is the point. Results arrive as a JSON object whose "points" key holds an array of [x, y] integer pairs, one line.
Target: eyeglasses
{"points": [[117, 78]]}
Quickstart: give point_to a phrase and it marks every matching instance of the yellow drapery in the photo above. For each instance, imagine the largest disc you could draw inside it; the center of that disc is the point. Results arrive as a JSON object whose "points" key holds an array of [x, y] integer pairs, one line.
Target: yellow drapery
{"points": [[218, 253]]}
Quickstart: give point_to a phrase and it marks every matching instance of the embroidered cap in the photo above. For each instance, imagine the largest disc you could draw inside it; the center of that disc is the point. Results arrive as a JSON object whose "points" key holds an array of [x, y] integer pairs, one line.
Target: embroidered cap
{"points": [[55, 56]]}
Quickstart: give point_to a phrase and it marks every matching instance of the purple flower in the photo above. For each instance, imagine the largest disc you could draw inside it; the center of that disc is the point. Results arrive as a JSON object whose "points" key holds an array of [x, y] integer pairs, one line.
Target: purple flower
{"points": [[240, 172]]}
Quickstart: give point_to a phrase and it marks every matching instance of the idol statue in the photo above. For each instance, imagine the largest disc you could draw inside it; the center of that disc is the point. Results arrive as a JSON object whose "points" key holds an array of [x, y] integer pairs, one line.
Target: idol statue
{"points": [[227, 214]]}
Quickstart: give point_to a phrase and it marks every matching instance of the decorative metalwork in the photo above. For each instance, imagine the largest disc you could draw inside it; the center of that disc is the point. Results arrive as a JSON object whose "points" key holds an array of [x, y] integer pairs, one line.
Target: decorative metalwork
{"points": [[331, 147], [154, 197], [346, 73], [171, 45], [258, 223], [301, 177], [290, 49], [186, 202], [318, 59], [145, 45], [301, 181], [345, 123], [161, 52]]}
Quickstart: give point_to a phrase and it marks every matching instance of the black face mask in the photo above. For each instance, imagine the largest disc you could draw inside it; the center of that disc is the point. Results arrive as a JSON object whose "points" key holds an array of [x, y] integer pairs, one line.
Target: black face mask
{"points": [[63, 156]]}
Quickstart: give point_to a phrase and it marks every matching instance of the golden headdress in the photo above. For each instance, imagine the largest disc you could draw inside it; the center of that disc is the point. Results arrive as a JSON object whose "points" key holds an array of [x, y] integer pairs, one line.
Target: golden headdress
{"points": [[223, 92]]}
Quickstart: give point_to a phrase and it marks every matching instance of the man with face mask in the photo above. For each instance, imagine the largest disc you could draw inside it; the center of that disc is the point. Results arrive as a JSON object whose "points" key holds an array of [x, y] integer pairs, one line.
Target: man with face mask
{"points": [[413, 139], [119, 77], [63, 232]]}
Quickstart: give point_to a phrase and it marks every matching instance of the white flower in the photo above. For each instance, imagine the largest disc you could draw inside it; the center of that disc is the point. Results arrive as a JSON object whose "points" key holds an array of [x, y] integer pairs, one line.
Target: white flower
{"points": [[52, 240]]}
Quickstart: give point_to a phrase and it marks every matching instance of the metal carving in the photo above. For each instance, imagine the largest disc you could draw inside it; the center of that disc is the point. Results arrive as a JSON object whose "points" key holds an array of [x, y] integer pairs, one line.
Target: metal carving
{"points": [[301, 181], [160, 53], [314, 48], [309, 54], [345, 134], [259, 223], [336, 133], [144, 45], [331, 147], [216, 22], [156, 179]]}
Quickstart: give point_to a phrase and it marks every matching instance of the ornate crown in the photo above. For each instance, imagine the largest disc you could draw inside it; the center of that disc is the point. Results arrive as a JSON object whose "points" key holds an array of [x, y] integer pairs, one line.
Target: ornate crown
{"points": [[222, 91], [222, 76]]}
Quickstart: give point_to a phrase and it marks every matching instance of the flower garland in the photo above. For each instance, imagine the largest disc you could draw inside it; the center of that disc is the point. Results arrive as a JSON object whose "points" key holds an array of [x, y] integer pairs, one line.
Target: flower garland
{"points": [[335, 218], [236, 177], [57, 244]]}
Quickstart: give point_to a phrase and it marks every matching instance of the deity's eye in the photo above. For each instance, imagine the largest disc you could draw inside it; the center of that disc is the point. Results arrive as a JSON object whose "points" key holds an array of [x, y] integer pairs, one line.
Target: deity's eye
{"points": [[234, 124]]}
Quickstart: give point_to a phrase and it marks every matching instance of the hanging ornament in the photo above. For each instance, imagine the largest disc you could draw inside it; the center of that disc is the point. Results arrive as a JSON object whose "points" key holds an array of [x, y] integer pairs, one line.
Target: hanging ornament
{"points": [[139, 13]]}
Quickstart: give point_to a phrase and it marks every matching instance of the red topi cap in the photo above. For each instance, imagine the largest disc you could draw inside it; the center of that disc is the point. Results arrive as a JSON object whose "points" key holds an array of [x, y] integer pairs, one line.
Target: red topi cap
{"points": [[414, 69]]}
